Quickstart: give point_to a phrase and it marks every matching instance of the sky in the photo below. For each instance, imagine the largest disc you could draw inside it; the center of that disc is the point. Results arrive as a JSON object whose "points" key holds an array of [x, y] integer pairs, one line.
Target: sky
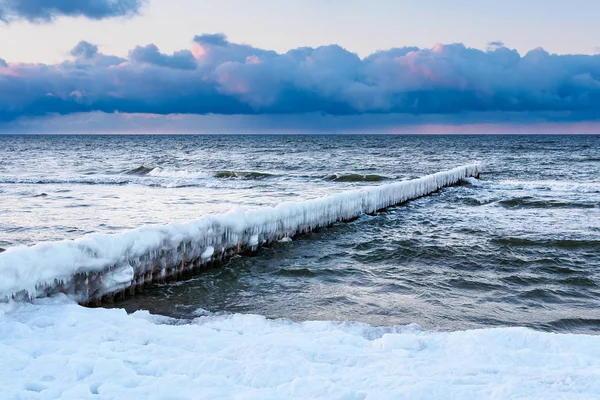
{"points": [[430, 66]]}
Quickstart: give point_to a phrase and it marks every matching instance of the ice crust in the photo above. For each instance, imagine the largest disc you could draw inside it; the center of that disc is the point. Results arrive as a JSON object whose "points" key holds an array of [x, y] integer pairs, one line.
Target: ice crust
{"points": [[99, 264], [50, 350]]}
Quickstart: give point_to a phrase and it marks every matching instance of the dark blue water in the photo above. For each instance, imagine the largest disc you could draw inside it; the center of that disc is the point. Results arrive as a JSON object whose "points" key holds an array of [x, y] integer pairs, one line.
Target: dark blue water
{"points": [[521, 246]]}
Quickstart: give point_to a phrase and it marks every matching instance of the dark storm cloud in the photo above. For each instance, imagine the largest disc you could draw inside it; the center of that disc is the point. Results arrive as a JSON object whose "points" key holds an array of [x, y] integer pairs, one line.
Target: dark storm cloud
{"points": [[221, 77], [47, 10], [182, 59]]}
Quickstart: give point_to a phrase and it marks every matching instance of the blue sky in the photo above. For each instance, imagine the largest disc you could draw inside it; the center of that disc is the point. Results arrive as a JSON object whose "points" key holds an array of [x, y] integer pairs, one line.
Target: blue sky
{"points": [[139, 62]]}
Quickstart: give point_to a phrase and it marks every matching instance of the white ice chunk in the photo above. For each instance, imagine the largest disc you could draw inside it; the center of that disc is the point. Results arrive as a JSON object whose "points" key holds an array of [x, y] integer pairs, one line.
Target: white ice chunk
{"points": [[253, 241], [208, 253], [119, 278]]}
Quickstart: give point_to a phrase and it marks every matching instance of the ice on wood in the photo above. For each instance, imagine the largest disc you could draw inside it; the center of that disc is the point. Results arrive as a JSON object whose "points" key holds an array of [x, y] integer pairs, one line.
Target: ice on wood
{"points": [[100, 264]]}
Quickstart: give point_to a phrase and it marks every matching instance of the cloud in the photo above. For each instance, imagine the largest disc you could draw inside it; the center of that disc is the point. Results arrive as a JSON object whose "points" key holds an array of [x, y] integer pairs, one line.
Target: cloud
{"points": [[85, 50], [220, 77], [87, 56], [214, 39], [47, 10], [3, 63], [215, 49], [182, 59]]}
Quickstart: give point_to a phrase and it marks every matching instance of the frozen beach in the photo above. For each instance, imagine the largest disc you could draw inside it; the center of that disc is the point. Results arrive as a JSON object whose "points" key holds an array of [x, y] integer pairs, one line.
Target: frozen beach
{"points": [[56, 349]]}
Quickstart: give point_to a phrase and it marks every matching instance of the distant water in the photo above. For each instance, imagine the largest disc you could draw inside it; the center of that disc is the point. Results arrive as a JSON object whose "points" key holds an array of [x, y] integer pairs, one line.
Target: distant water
{"points": [[520, 247]]}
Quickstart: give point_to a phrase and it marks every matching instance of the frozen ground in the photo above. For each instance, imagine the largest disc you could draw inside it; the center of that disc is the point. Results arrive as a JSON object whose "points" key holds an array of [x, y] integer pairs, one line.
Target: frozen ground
{"points": [[57, 349]]}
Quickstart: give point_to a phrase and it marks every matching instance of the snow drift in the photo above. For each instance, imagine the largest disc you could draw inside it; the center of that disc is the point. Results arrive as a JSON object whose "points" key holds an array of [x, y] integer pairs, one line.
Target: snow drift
{"points": [[55, 350], [99, 265]]}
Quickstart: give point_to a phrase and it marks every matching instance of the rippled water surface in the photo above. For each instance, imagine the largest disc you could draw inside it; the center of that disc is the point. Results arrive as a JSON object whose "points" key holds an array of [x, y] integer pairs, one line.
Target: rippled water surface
{"points": [[520, 246]]}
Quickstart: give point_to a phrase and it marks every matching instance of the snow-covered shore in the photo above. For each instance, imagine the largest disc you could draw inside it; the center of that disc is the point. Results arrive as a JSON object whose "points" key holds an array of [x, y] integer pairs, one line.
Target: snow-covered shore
{"points": [[57, 349]]}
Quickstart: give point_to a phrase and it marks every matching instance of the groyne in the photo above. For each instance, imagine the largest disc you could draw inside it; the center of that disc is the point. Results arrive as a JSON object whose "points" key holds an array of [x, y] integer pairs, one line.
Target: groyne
{"points": [[99, 267]]}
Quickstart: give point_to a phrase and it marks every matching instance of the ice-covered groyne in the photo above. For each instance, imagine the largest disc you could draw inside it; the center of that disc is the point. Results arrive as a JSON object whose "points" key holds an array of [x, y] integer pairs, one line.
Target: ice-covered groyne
{"points": [[98, 266]]}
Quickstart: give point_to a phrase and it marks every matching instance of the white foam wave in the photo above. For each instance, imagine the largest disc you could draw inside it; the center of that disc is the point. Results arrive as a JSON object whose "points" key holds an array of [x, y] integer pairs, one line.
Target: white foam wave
{"points": [[179, 173], [160, 179], [83, 180], [57, 350], [473, 181], [555, 186], [156, 177]]}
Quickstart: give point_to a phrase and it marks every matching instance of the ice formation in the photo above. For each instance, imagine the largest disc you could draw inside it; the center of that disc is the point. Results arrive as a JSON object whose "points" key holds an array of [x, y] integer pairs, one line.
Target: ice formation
{"points": [[52, 350], [97, 265]]}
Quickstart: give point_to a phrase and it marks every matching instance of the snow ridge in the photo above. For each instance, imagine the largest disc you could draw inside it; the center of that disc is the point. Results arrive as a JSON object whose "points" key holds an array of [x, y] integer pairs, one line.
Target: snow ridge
{"points": [[97, 265]]}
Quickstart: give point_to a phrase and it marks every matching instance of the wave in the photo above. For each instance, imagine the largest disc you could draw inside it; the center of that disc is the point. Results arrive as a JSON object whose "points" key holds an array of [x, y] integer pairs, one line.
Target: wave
{"points": [[582, 281], [575, 324], [141, 170], [558, 186], [187, 174], [250, 175], [550, 243], [191, 174], [544, 294], [146, 176], [531, 202], [356, 178], [583, 159], [100, 264], [151, 180], [298, 272], [182, 174], [142, 175], [109, 180], [472, 181], [87, 180]]}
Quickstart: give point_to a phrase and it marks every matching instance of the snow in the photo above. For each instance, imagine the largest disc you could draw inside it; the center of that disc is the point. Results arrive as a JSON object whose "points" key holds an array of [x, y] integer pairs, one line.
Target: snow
{"points": [[57, 349], [69, 266], [118, 278]]}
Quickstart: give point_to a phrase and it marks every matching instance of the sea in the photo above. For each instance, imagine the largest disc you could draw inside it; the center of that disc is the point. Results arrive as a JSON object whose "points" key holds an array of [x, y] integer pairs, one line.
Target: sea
{"points": [[519, 247]]}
